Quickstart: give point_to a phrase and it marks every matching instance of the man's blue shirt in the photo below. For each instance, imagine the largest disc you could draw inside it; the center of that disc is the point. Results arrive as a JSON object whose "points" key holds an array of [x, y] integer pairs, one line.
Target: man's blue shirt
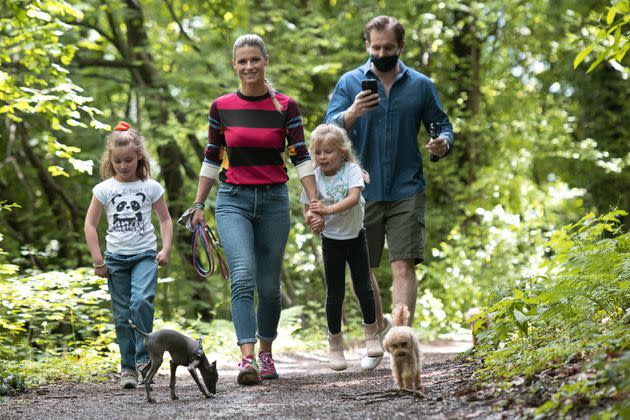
{"points": [[386, 138]]}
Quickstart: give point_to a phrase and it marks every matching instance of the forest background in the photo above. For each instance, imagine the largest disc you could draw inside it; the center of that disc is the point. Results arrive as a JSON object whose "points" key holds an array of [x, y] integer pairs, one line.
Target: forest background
{"points": [[525, 217]]}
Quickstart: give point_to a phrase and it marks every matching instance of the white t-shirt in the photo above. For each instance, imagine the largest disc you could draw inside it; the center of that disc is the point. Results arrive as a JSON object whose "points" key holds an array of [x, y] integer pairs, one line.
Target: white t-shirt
{"points": [[334, 188], [128, 206]]}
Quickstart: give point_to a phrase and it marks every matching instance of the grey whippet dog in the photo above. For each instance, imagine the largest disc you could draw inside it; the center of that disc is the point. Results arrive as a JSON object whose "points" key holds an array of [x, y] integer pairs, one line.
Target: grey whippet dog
{"points": [[184, 351]]}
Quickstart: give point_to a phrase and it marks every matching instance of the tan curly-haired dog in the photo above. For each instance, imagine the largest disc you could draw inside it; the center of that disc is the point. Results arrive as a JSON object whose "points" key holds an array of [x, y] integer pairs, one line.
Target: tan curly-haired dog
{"points": [[402, 343]]}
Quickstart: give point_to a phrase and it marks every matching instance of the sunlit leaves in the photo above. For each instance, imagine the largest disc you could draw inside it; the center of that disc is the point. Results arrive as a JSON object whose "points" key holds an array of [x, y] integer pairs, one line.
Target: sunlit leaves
{"points": [[35, 80], [613, 37], [582, 55], [576, 314]]}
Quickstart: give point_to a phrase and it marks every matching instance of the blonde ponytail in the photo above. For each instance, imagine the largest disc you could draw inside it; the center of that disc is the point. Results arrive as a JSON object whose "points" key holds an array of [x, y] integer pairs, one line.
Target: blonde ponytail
{"points": [[272, 93]]}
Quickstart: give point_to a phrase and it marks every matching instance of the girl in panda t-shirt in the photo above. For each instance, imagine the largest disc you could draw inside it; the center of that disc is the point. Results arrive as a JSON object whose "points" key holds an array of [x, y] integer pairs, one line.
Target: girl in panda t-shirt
{"points": [[130, 262]]}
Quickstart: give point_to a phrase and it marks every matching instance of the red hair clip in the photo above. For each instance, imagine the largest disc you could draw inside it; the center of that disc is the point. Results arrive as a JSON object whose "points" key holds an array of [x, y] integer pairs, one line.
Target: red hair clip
{"points": [[122, 126]]}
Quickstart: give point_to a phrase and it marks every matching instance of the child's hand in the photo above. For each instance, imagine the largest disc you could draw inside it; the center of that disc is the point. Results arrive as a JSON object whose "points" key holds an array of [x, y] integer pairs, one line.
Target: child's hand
{"points": [[317, 206], [162, 258], [101, 271]]}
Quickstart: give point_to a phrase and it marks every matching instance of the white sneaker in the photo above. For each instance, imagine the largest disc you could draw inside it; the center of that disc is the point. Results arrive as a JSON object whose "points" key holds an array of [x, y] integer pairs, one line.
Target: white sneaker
{"points": [[369, 363]]}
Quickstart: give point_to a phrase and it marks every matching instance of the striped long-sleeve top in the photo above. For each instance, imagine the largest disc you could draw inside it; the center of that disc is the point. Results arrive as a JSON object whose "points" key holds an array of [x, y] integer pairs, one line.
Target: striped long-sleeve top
{"points": [[246, 140]]}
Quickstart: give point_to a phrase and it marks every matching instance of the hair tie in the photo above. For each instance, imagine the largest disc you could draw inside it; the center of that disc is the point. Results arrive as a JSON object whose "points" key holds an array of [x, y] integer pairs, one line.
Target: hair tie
{"points": [[122, 126]]}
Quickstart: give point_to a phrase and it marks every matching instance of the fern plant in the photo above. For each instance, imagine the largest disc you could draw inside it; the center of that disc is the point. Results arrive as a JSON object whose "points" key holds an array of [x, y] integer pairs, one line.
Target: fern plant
{"points": [[577, 314]]}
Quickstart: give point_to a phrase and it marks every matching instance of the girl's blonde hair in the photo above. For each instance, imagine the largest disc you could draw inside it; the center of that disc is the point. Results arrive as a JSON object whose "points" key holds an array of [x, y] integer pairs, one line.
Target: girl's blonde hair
{"points": [[118, 138], [339, 137], [335, 135], [253, 40]]}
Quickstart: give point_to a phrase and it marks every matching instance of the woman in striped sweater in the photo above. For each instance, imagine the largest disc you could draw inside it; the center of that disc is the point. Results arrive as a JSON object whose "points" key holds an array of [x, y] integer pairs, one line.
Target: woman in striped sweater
{"points": [[248, 133]]}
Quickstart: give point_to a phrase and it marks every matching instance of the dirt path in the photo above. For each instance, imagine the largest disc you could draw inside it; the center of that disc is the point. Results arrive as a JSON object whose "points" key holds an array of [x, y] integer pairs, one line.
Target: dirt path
{"points": [[307, 389]]}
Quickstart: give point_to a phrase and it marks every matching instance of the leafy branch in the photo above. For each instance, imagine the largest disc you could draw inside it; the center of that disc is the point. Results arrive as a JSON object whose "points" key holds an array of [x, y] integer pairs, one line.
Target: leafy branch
{"points": [[613, 37]]}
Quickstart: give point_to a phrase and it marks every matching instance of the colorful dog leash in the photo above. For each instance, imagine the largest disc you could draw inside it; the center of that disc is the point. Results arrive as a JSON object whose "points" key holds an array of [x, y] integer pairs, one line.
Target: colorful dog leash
{"points": [[210, 247]]}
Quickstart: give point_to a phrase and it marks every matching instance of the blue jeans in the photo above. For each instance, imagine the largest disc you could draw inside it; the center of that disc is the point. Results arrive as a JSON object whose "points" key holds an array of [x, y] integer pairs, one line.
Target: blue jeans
{"points": [[132, 283], [253, 223]]}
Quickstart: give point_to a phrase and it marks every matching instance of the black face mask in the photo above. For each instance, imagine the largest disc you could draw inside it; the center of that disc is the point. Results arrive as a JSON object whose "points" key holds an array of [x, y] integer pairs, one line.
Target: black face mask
{"points": [[386, 63]]}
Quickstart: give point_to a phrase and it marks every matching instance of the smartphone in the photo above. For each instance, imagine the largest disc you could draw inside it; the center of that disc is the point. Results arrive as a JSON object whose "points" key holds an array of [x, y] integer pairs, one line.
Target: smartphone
{"points": [[369, 84]]}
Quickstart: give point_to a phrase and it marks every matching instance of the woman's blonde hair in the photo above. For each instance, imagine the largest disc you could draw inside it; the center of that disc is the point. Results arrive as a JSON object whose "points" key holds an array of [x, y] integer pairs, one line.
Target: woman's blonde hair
{"points": [[253, 40], [118, 138]]}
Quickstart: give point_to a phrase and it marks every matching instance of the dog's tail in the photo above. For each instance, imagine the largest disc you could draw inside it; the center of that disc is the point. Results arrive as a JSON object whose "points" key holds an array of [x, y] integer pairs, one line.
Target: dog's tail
{"points": [[400, 315], [142, 333]]}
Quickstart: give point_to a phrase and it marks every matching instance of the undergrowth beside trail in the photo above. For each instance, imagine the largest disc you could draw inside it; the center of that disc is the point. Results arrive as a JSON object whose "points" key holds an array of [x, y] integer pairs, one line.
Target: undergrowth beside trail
{"points": [[558, 342], [565, 337]]}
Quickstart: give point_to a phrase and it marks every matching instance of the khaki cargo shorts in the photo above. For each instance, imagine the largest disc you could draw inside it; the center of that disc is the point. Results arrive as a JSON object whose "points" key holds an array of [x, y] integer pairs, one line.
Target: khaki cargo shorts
{"points": [[401, 223]]}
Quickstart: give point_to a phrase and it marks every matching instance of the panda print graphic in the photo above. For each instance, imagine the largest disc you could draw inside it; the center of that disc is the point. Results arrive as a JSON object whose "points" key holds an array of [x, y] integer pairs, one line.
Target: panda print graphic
{"points": [[128, 217], [128, 206]]}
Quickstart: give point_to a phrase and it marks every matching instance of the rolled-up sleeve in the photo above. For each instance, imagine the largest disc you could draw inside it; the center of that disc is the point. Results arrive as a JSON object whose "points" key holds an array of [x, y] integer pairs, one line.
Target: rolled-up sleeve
{"points": [[339, 102], [434, 112]]}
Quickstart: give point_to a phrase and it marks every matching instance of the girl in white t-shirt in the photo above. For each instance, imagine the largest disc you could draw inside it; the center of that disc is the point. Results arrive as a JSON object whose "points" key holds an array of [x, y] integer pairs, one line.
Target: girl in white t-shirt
{"points": [[130, 263], [340, 181]]}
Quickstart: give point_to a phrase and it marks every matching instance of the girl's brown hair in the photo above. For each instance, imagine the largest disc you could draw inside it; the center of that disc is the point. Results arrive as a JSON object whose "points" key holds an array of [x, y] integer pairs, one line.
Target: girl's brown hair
{"points": [[122, 139]]}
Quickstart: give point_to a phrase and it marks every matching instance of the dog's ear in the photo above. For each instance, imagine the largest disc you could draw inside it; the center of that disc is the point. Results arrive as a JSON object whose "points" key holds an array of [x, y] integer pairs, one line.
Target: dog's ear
{"points": [[387, 343], [214, 364]]}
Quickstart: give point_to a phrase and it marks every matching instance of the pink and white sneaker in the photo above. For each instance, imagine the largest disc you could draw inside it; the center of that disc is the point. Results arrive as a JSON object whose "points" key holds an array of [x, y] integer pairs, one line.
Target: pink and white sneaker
{"points": [[267, 366], [249, 371]]}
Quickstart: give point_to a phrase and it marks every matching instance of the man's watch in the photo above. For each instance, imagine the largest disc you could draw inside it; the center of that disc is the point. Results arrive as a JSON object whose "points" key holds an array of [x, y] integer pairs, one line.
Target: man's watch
{"points": [[199, 206]]}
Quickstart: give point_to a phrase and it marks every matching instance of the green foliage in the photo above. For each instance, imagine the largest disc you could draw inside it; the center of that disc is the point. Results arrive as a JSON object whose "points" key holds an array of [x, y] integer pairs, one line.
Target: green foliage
{"points": [[536, 145], [575, 314], [11, 384], [6, 269], [54, 312], [81, 365], [490, 251], [612, 37], [35, 77]]}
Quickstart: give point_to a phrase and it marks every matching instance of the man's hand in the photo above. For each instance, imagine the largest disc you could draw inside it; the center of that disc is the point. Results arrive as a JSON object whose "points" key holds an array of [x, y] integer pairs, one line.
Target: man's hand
{"points": [[364, 102], [438, 146]]}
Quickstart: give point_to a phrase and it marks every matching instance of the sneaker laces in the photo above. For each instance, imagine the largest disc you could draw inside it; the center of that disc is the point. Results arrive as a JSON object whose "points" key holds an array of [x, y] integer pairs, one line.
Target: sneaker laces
{"points": [[248, 362], [266, 362]]}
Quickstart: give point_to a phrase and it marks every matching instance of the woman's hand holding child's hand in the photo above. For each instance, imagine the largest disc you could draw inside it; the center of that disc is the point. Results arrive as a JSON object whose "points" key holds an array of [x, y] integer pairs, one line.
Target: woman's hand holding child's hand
{"points": [[315, 221]]}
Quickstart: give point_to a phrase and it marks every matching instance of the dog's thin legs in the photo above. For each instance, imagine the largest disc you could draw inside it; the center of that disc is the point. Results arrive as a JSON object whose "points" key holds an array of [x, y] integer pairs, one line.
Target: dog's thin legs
{"points": [[147, 379], [172, 384], [192, 368]]}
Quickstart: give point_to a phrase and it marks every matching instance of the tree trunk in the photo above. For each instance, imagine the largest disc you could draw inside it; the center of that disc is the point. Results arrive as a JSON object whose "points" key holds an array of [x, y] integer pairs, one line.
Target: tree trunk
{"points": [[63, 207], [145, 81], [466, 47]]}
